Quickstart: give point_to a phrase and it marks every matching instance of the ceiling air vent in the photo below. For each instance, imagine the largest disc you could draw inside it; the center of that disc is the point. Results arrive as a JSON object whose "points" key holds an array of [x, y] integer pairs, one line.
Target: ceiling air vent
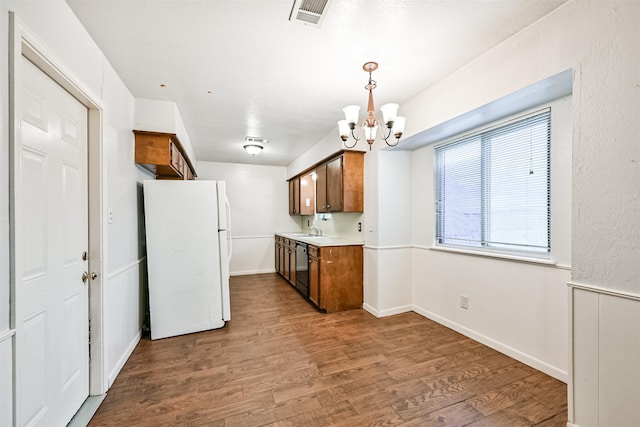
{"points": [[308, 11], [256, 140]]}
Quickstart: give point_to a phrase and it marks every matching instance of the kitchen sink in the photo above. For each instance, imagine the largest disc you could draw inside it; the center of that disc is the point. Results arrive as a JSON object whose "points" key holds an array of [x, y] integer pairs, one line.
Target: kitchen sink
{"points": [[320, 239]]}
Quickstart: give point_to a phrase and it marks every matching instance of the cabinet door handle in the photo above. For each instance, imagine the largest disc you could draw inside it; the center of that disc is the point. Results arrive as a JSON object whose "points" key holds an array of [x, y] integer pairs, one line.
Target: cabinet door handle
{"points": [[328, 206]]}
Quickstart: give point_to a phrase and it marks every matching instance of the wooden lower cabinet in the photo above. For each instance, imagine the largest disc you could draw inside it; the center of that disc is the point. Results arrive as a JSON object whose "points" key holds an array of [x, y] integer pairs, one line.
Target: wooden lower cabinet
{"points": [[335, 273], [335, 277], [279, 260], [285, 258], [314, 274], [291, 271]]}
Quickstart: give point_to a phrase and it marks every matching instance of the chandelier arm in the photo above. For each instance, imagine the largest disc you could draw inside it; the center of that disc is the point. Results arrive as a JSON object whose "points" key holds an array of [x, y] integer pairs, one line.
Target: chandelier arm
{"points": [[350, 146], [388, 136], [355, 139], [353, 135]]}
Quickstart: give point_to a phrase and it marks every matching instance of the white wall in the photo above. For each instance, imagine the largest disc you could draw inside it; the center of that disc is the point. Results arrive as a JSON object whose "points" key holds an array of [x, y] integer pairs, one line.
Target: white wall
{"points": [[125, 272], [259, 198], [518, 308], [69, 46], [599, 40], [388, 245]]}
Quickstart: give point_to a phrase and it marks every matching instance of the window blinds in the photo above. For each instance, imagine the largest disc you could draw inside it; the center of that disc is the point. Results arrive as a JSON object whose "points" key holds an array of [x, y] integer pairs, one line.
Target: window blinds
{"points": [[493, 187]]}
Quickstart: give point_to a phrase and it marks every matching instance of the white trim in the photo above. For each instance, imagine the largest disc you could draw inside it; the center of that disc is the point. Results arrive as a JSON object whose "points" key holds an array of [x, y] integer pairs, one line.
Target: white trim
{"points": [[395, 310], [496, 345], [7, 334], [571, 374], [248, 272], [489, 254], [387, 311], [572, 425], [604, 291], [506, 257], [124, 268], [387, 248], [371, 310], [266, 236], [123, 359]]}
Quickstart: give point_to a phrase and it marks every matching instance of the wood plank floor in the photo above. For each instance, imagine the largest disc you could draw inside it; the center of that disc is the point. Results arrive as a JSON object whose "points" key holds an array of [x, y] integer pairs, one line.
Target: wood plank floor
{"points": [[279, 362]]}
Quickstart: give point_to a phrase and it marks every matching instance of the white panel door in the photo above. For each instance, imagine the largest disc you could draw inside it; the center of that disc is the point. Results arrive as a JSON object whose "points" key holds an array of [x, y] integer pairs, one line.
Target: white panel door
{"points": [[51, 300]]}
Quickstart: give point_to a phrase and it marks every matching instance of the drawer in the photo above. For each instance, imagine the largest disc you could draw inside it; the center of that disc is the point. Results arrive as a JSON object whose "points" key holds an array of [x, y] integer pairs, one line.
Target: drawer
{"points": [[313, 251]]}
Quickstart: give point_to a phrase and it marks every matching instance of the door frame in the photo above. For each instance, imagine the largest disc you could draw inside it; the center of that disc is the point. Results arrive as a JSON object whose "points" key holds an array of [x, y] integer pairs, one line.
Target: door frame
{"points": [[24, 42]]}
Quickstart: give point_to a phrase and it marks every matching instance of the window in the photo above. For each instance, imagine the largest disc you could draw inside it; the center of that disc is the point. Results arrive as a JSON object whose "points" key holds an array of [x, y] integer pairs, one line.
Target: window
{"points": [[493, 188]]}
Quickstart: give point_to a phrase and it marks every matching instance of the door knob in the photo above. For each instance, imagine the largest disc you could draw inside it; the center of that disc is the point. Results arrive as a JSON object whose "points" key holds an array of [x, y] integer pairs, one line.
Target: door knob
{"points": [[86, 276]]}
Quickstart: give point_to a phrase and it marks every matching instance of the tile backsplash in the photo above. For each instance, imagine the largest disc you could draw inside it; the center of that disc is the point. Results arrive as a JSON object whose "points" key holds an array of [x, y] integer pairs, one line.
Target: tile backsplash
{"points": [[337, 224]]}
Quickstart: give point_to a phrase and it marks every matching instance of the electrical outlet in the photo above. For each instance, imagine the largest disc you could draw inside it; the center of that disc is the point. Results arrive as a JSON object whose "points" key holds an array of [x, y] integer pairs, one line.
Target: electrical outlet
{"points": [[359, 226], [109, 216], [307, 223], [464, 302]]}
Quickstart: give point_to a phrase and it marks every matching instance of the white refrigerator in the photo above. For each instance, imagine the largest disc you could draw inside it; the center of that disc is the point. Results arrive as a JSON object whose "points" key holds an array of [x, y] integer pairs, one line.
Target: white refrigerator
{"points": [[188, 235]]}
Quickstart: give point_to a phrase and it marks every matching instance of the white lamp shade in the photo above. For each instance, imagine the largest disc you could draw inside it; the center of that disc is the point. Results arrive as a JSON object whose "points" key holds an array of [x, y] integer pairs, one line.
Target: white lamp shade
{"points": [[389, 112], [343, 128], [351, 113], [253, 149], [370, 132], [398, 124]]}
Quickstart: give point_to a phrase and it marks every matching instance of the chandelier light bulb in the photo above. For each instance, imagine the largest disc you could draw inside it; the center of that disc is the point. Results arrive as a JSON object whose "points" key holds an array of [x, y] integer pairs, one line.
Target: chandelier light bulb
{"points": [[398, 126], [343, 127], [389, 112], [351, 113]]}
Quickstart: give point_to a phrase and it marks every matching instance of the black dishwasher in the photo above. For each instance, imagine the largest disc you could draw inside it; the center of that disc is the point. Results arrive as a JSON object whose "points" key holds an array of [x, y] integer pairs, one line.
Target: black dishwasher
{"points": [[302, 269]]}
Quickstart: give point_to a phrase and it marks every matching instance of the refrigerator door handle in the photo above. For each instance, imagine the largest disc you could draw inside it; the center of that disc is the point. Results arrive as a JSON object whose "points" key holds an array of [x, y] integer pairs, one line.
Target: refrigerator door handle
{"points": [[227, 207], [229, 245]]}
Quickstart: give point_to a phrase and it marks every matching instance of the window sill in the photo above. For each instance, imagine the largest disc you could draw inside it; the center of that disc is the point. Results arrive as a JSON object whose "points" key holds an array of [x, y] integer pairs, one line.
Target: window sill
{"points": [[502, 256]]}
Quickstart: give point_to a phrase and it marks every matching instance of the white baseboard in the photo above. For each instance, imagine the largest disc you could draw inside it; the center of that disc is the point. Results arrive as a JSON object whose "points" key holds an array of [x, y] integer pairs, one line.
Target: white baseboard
{"points": [[388, 311], [248, 272], [496, 345], [368, 308], [125, 356]]}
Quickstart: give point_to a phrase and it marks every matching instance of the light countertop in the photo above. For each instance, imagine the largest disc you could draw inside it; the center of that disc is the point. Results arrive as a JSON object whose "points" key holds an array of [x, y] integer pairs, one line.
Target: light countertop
{"points": [[320, 240]]}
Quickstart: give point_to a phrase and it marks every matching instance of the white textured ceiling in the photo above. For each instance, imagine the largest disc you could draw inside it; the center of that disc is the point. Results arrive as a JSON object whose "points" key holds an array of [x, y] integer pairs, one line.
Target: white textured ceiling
{"points": [[282, 80]]}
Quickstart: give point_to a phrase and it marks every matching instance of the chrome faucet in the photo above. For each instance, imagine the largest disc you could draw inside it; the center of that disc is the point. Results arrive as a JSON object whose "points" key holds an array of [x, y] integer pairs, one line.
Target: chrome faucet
{"points": [[317, 231]]}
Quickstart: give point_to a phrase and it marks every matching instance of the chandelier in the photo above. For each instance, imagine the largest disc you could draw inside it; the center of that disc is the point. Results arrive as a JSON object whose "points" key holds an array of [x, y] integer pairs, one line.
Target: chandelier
{"points": [[393, 122]]}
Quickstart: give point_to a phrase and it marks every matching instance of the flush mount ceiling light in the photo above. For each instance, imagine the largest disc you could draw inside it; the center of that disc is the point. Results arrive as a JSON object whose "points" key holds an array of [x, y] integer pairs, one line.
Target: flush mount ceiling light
{"points": [[392, 121], [253, 149]]}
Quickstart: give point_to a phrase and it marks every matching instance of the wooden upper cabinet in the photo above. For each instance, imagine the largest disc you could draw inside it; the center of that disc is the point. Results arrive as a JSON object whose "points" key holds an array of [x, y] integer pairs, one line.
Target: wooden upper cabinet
{"points": [[307, 196], [321, 188], [294, 196], [334, 185], [162, 154], [340, 184]]}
